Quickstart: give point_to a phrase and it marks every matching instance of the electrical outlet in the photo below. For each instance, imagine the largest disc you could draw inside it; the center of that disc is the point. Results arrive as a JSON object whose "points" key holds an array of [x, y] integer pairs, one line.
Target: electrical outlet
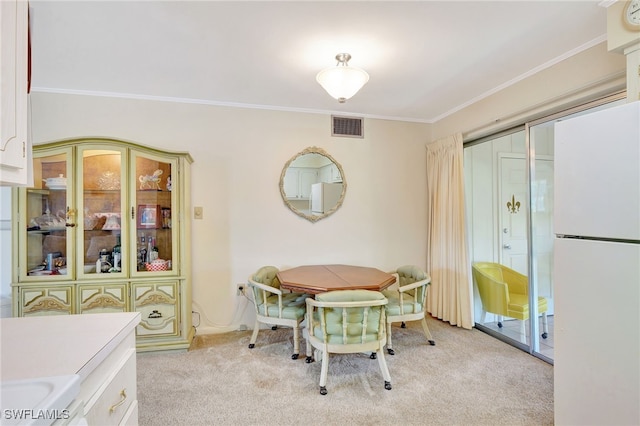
{"points": [[240, 291]]}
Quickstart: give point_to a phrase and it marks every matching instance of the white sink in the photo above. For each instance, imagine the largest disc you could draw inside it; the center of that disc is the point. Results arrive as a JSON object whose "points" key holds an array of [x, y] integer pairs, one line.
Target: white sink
{"points": [[38, 401]]}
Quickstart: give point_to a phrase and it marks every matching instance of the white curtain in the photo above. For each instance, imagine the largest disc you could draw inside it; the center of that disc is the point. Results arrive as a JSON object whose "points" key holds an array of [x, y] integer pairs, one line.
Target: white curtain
{"points": [[449, 296]]}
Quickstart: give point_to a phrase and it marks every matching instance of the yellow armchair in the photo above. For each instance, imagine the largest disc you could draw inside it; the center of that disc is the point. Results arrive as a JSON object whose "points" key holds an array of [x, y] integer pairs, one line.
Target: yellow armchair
{"points": [[504, 292]]}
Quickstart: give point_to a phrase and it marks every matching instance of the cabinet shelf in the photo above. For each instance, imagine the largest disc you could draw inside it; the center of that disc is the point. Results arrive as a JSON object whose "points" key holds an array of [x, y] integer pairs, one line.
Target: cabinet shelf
{"points": [[38, 191], [43, 231], [101, 191]]}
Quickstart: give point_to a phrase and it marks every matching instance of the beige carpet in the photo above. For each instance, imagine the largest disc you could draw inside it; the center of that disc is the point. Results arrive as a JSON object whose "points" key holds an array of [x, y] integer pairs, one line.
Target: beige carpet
{"points": [[468, 378]]}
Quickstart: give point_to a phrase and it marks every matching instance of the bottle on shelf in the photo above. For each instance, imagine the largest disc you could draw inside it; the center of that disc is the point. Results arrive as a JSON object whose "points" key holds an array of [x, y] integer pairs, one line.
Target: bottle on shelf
{"points": [[117, 254], [142, 253], [105, 261], [154, 251], [149, 248]]}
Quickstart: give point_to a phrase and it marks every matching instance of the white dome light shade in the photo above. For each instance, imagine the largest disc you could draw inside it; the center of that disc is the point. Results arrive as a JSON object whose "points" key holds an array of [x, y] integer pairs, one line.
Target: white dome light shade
{"points": [[342, 81]]}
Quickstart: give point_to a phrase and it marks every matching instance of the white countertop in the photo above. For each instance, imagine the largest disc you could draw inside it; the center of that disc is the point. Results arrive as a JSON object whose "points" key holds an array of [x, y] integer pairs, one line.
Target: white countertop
{"points": [[34, 347]]}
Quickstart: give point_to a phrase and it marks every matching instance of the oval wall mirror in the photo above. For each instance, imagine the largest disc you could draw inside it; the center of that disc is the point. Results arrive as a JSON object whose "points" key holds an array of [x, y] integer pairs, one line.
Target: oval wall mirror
{"points": [[312, 184]]}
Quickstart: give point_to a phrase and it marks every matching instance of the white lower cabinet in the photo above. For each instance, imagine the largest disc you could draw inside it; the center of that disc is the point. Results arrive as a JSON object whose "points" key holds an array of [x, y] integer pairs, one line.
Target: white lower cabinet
{"points": [[74, 415], [99, 348], [108, 396], [111, 389]]}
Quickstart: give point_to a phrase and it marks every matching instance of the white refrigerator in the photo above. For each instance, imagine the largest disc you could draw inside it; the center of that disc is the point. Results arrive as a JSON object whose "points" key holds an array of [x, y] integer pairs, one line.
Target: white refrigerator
{"points": [[597, 268], [325, 196]]}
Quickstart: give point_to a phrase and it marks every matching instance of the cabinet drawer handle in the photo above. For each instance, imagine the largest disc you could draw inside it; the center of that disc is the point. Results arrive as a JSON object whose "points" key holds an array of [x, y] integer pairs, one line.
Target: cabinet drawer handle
{"points": [[155, 314], [123, 396]]}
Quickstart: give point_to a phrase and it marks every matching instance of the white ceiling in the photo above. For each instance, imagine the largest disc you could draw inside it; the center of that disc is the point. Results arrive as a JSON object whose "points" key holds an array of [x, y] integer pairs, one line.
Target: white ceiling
{"points": [[426, 59]]}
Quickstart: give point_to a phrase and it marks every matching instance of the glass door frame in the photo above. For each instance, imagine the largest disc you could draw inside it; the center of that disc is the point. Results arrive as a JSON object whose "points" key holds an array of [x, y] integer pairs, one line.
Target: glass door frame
{"points": [[83, 154], [21, 199], [135, 203], [533, 346]]}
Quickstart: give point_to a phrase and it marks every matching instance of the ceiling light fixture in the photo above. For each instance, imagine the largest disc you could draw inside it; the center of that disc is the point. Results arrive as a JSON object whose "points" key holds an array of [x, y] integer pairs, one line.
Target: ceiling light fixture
{"points": [[342, 81]]}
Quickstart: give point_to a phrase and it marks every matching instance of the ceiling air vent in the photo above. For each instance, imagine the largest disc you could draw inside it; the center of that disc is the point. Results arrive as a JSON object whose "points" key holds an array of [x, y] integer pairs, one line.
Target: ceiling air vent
{"points": [[349, 127]]}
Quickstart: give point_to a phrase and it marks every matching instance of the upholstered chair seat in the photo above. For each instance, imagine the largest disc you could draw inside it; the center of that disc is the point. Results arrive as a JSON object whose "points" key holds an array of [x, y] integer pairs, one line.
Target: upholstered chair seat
{"points": [[346, 321], [292, 306], [407, 301], [276, 307]]}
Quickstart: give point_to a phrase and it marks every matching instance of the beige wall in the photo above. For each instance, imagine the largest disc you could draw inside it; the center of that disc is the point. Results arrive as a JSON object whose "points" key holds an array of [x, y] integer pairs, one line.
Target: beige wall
{"points": [[239, 155], [590, 74]]}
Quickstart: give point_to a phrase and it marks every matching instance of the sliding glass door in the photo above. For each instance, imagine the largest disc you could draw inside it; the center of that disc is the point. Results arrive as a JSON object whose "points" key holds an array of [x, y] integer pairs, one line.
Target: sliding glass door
{"points": [[509, 183], [498, 174]]}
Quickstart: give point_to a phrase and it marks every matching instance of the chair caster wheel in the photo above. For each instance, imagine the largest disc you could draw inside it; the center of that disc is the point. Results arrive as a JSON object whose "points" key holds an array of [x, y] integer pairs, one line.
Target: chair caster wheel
{"points": [[545, 335], [432, 342], [387, 385], [274, 327], [391, 351], [309, 360], [294, 356], [252, 345], [403, 325], [373, 355], [323, 390], [499, 324]]}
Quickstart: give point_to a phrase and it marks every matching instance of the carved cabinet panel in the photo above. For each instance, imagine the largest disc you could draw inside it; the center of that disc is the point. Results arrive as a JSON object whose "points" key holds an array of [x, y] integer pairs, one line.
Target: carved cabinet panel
{"points": [[102, 298], [45, 301], [158, 305]]}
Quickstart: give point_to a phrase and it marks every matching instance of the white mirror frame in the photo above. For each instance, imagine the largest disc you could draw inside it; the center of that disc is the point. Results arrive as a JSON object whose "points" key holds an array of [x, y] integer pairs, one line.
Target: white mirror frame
{"points": [[313, 217]]}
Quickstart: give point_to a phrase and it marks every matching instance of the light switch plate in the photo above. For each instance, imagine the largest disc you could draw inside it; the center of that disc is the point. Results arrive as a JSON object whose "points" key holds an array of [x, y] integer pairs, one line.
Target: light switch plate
{"points": [[197, 212]]}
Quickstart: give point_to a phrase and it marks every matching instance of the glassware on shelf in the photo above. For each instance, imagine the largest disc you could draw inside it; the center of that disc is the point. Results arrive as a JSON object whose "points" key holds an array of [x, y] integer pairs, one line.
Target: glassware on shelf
{"points": [[90, 220], [109, 181], [105, 261]]}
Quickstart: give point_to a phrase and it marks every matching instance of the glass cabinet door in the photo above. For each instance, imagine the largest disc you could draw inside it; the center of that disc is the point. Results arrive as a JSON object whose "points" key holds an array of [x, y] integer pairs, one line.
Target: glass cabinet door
{"points": [[101, 207], [48, 251], [151, 207]]}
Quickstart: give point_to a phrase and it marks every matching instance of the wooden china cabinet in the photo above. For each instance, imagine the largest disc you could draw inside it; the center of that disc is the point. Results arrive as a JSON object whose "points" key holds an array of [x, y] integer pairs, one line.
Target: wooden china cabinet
{"points": [[105, 229]]}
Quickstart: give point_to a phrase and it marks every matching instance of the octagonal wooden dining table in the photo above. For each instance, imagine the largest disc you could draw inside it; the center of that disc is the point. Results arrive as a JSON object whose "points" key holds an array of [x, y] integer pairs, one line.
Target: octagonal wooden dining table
{"points": [[313, 279]]}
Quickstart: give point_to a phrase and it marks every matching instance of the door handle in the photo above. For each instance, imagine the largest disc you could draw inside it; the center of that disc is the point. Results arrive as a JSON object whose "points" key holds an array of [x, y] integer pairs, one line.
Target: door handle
{"points": [[506, 246]]}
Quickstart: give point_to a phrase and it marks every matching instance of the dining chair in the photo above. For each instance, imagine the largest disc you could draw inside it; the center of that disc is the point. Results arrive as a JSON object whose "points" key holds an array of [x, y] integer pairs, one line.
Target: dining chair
{"points": [[505, 293], [407, 301], [346, 321], [276, 307]]}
